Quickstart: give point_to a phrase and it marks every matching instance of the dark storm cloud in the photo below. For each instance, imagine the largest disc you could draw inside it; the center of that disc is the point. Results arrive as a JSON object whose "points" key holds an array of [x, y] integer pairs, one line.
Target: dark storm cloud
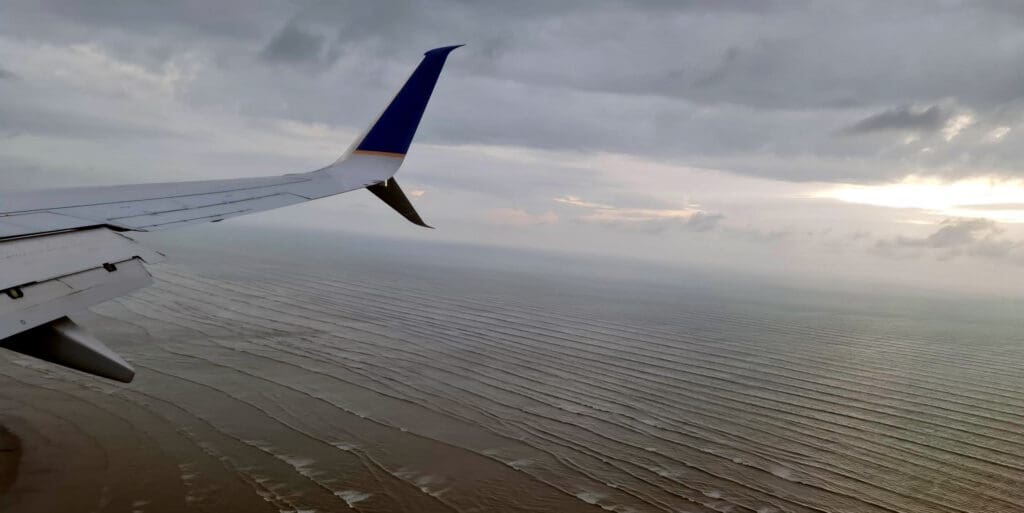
{"points": [[902, 118], [752, 87], [236, 18], [753, 53], [295, 45]]}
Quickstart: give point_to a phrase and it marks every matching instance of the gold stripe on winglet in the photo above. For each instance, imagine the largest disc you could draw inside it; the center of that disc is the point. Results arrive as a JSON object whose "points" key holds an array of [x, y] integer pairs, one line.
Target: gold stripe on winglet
{"points": [[380, 154]]}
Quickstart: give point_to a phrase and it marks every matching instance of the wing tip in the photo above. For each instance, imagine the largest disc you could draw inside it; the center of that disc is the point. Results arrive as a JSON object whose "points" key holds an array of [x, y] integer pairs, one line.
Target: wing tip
{"points": [[443, 51], [394, 130]]}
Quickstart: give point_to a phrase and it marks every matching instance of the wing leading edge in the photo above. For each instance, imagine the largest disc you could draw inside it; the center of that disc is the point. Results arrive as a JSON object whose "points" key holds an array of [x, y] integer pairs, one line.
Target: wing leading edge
{"points": [[60, 253]]}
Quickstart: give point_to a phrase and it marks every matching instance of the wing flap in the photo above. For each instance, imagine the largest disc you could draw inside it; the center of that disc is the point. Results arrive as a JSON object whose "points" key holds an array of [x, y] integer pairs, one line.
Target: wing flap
{"points": [[39, 303], [37, 259]]}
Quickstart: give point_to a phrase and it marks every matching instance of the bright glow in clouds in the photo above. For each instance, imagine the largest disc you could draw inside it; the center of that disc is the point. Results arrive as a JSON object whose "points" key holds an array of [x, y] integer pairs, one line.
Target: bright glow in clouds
{"points": [[956, 125], [998, 133], [602, 212], [991, 198]]}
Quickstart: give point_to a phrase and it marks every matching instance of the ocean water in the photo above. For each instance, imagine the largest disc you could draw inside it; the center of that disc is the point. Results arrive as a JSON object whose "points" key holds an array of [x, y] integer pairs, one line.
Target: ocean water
{"points": [[298, 383]]}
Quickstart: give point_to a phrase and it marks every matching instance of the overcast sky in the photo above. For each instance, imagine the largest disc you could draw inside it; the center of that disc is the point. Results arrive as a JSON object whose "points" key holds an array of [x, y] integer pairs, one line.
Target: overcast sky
{"points": [[874, 142]]}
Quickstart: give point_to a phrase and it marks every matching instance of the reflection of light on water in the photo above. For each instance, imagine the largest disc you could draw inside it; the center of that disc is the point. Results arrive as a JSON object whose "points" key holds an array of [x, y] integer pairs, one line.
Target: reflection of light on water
{"points": [[994, 198]]}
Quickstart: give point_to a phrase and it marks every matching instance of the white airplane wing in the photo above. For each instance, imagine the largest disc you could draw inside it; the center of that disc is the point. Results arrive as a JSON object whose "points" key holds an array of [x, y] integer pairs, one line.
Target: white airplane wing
{"points": [[62, 251]]}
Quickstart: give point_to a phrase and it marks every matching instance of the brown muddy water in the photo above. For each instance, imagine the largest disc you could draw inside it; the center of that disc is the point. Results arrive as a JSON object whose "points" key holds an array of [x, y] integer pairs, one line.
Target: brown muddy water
{"points": [[278, 388]]}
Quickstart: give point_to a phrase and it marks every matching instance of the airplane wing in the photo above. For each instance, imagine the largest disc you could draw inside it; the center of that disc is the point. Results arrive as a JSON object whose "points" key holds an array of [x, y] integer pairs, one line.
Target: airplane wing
{"points": [[62, 250]]}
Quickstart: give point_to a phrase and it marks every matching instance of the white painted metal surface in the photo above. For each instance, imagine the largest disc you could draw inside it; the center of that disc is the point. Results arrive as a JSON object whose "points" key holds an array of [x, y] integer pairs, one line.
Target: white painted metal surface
{"points": [[49, 300], [37, 259], [161, 206]]}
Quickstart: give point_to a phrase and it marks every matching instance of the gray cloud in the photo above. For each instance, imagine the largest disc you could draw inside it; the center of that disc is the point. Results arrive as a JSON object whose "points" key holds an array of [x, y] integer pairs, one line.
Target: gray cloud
{"points": [[219, 88], [698, 223], [751, 87], [648, 220], [904, 118], [957, 237], [7, 75], [703, 221], [953, 233], [233, 18], [293, 45], [72, 123]]}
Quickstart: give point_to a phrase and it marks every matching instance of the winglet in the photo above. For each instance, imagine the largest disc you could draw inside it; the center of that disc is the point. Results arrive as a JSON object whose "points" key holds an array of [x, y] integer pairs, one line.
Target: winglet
{"points": [[396, 126], [389, 192]]}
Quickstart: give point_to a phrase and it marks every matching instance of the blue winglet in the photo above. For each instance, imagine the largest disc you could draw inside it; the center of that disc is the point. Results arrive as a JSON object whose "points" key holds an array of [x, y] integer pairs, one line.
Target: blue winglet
{"points": [[396, 127]]}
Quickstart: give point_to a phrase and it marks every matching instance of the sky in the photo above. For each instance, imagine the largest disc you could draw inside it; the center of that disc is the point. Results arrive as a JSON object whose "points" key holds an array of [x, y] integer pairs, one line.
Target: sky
{"points": [[871, 143]]}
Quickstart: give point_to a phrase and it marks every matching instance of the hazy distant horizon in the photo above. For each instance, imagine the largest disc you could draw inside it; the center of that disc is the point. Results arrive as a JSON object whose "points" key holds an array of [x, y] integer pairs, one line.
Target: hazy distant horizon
{"points": [[318, 249]]}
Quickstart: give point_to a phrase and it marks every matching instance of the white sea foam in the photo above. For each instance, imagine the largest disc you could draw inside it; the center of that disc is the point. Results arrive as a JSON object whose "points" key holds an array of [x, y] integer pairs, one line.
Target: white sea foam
{"points": [[783, 472], [352, 496], [590, 497]]}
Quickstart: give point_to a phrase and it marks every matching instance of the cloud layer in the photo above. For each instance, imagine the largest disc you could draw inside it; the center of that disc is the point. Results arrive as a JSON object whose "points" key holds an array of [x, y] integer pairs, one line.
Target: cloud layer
{"points": [[702, 132], [930, 119], [747, 86]]}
